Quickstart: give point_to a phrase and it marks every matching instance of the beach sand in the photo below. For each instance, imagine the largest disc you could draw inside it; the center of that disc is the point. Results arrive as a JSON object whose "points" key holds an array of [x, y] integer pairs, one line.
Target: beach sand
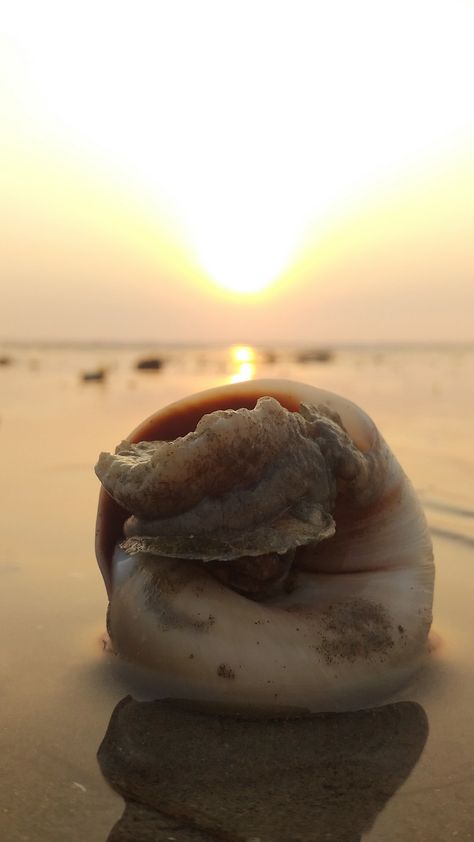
{"points": [[59, 690]]}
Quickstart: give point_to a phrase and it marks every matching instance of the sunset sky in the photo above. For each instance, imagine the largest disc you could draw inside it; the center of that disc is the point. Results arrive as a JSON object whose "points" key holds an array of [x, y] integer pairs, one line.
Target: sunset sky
{"points": [[210, 171]]}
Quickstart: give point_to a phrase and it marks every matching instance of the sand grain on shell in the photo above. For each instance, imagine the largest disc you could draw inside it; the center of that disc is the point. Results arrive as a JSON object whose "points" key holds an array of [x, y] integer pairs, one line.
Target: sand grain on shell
{"points": [[369, 626]]}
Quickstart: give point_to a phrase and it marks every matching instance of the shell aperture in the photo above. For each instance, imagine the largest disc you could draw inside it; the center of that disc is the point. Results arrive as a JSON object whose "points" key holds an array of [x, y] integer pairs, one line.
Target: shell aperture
{"points": [[286, 505]]}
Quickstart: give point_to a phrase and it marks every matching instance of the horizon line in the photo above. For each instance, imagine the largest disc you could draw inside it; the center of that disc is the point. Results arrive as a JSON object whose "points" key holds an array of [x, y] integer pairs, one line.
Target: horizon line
{"points": [[201, 343]]}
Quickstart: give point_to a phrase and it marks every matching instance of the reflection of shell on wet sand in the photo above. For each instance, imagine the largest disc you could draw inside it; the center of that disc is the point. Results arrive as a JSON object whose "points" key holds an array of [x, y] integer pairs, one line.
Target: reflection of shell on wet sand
{"points": [[308, 778], [271, 553]]}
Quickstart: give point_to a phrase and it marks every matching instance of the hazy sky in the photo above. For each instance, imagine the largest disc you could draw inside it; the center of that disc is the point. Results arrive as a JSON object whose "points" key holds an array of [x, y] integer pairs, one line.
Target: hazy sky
{"points": [[242, 171]]}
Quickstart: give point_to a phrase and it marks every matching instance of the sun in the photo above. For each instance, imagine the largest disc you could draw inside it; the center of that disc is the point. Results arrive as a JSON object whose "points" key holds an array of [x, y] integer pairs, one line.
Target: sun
{"points": [[252, 123], [245, 253]]}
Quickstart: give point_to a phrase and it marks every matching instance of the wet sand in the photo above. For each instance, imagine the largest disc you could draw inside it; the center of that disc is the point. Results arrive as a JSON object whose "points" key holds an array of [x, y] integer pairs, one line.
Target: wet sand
{"points": [[59, 691]]}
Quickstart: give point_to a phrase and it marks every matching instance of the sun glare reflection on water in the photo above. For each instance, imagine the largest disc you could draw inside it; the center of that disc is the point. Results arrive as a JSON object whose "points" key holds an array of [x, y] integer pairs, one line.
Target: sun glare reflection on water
{"points": [[243, 360]]}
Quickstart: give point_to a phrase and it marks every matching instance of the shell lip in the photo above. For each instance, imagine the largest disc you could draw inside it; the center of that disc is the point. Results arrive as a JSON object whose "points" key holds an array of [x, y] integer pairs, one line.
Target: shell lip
{"points": [[109, 528]]}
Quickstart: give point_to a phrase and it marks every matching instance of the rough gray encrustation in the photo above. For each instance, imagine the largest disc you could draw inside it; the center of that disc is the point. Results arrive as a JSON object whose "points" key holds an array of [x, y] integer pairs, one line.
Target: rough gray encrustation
{"points": [[245, 482]]}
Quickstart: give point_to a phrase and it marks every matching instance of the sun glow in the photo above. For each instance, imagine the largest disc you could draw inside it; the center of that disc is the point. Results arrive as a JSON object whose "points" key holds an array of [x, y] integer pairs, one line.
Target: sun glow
{"points": [[253, 122]]}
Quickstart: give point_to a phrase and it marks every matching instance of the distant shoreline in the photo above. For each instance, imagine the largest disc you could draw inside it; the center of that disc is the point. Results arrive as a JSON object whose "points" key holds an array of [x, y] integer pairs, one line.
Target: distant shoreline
{"points": [[97, 344]]}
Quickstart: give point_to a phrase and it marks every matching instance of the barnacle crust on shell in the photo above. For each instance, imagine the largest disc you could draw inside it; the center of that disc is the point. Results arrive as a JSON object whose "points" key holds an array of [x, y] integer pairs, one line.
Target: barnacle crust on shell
{"points": [[244, 483]]}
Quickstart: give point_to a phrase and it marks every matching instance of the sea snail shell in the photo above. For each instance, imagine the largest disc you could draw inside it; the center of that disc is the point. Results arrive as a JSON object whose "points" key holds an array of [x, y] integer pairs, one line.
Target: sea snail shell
{"points": [[304, 487]]}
